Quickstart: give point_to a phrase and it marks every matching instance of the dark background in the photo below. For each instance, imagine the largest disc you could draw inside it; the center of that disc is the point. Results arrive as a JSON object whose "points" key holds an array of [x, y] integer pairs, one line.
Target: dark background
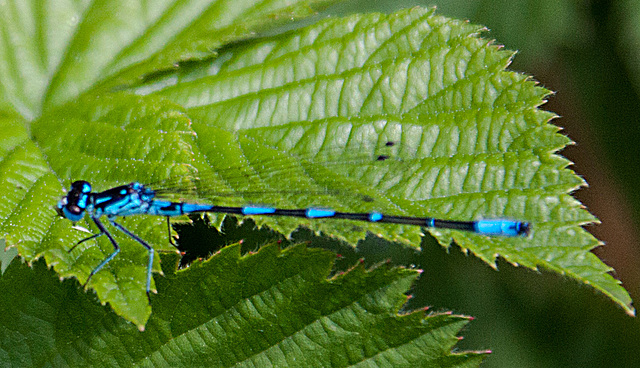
{"points": [[588, 52]]}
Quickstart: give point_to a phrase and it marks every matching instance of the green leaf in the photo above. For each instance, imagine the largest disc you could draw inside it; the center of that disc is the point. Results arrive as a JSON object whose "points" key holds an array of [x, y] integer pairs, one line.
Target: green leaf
{"points": [[308, 110], [476, 143], [52, 52], [153, 141], [270, 308]]}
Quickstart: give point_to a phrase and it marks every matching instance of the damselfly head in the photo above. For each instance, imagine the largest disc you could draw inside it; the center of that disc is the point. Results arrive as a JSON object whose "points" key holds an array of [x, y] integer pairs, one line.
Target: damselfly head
{"points": [[73, 205]]}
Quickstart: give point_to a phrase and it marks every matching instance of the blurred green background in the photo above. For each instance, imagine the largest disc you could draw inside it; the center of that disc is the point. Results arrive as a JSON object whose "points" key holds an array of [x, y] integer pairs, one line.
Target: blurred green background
{"points": [[588, 52]]}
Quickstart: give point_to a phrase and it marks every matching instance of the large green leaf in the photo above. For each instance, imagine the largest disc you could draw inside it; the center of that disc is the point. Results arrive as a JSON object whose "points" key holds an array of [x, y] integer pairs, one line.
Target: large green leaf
{"points": [[271, 308], [477, 144], [308, 110], [52, 51]]}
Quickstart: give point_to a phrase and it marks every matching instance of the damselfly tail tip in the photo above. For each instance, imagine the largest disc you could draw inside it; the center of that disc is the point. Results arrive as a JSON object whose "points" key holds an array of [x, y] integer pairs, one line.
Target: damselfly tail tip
{"points": [[524, 229]]}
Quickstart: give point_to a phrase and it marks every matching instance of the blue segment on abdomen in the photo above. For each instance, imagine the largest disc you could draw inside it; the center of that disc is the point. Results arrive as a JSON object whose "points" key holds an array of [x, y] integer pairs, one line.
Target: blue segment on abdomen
{"points": [[318, 213], [498, 227], [191, 207], [166, 208], [254, 210]]}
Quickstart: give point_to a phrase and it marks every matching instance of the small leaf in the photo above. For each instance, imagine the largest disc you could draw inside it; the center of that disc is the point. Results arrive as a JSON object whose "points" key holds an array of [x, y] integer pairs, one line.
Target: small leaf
{"points": [[270, 308]]}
